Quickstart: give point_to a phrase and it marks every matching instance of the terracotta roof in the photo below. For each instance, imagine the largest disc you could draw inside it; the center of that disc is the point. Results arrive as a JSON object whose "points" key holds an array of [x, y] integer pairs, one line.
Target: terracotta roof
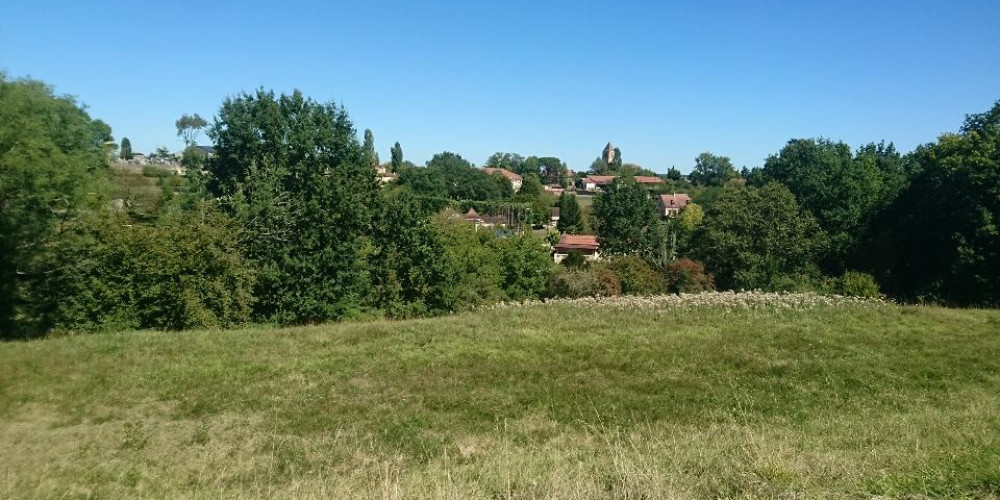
{"points": [[503, 171], [569, 242], [471, 214], [644, 179], [600, 180], [676, 200]]}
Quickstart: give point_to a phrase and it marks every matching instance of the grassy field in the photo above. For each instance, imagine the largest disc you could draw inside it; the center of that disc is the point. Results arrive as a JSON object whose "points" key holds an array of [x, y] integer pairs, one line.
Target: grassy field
{"points": [[546, 401]]}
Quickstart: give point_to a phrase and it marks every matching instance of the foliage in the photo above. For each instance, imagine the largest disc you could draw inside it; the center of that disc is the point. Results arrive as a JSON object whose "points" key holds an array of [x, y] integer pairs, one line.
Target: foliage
{"points": [[855, 284], [752, 238], [842, 191], [473, 260], [674, 174], [449, 175], [570, 216], [939, 240], [636, 276], [397, 157], [626, 217], [411, 274], [300, 184], [525, 266], [183, 271], [52, 161], [125, 152], [189, 127], [687, 276], [712, 170], [369, 148], [510, 161], [589, 281]]}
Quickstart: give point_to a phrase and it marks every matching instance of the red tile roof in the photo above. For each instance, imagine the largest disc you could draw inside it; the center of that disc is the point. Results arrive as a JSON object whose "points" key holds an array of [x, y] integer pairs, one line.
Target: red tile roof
{"points": [[503, 171], [644, 179], [569, 242], [676, 200], [600, 180]]}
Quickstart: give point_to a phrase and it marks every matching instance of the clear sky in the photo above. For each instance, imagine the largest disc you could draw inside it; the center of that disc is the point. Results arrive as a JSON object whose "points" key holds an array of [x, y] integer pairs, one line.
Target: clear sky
{"points": [[664, 81]]}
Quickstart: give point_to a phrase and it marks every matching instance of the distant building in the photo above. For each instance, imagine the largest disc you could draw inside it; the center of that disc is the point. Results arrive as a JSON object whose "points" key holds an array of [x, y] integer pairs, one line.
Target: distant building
{"points": [[669, 205], [593, 183], [586, 244], [515, 179], [609, 154]]}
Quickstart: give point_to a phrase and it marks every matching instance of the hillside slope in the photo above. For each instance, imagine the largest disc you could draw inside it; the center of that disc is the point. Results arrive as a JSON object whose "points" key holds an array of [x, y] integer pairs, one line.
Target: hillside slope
{"points": [[545, 401]]}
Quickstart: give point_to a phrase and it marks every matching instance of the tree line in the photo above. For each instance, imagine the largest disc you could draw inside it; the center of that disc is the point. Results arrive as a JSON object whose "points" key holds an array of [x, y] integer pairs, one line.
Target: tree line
{"points": [[287, 223]]}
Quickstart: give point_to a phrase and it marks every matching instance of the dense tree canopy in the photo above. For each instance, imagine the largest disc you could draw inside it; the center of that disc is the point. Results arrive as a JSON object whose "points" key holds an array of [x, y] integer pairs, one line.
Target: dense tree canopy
{"points": [[712, 170], [940, 238], [51, 158], [448, 175], [125, 152], [626, 218], [758, 238], [304, 191], [843, 191]]}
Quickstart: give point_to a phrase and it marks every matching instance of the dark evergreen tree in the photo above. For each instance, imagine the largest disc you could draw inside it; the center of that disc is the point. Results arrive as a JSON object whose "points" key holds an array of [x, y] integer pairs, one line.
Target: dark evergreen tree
{"points": [[125, 152], [570, 217]]}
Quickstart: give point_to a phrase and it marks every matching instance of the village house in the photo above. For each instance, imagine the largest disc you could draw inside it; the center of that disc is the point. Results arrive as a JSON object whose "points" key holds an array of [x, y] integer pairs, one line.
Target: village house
{"points": [[594, 183], [669, 205], [586, 244], [384, 175], [515, 179], [554, 218]]}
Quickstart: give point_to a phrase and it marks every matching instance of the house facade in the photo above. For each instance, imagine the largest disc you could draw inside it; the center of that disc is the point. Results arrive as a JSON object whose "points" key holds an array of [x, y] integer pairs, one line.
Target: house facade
{"points": [[586, 244], [515, 179], [670, 205]]}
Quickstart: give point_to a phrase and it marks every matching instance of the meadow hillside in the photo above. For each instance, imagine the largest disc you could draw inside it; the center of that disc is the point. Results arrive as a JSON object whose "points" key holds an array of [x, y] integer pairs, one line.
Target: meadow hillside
{"points": [[713, 396]]}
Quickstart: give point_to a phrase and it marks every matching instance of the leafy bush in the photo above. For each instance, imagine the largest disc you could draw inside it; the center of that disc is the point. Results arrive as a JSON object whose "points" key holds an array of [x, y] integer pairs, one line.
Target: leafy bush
{"points": [[688, 276], [525, 266], [636, 276], [184, 271], [855, 284], [595, 281]]}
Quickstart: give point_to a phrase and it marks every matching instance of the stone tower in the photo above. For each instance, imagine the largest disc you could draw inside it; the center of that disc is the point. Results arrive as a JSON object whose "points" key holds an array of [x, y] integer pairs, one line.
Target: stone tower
{"points": [[609, 154]]}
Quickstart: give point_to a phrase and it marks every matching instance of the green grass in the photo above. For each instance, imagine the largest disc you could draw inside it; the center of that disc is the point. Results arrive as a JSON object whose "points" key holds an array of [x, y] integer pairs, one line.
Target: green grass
{"points": [[552, 401]]}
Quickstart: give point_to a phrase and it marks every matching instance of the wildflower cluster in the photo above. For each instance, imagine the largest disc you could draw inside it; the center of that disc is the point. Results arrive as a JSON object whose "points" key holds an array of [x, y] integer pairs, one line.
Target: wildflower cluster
{"points": [[728, 299]]}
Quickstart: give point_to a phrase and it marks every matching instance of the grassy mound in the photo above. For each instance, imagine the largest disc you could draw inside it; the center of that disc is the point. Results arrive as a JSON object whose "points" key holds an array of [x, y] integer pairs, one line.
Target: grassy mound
{"points": [[567, 400]]}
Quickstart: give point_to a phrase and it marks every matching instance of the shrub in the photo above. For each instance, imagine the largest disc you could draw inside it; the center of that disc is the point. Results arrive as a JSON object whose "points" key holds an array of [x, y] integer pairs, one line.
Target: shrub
{"points": [[636, 276], [577, 282], [855, 284], [184, 271], [575, 258], [687, 276]]}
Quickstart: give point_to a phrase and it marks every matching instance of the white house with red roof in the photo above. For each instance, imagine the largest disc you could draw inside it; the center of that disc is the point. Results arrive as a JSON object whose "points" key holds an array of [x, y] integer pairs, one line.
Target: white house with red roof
{"points": [[669, 205], [515, 179]]}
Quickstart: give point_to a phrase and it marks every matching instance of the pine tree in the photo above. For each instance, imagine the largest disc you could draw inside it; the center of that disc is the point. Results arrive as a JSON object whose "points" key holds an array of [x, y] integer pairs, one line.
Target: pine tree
{"points": [[125, 152], [570, 219]]}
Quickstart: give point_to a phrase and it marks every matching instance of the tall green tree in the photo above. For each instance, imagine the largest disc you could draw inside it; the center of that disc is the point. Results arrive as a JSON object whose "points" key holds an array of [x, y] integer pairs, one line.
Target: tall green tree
{"points": [[303, 189], [52, 158], [712, 170], [570, 217], [759, 238], [125, 152], [397, 157], [369, 147], [626, 218], [939, 239]]}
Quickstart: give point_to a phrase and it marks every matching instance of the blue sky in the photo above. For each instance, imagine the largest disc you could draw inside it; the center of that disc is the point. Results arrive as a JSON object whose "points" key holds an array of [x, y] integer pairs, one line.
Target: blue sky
{"points": [[663, 81]]}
